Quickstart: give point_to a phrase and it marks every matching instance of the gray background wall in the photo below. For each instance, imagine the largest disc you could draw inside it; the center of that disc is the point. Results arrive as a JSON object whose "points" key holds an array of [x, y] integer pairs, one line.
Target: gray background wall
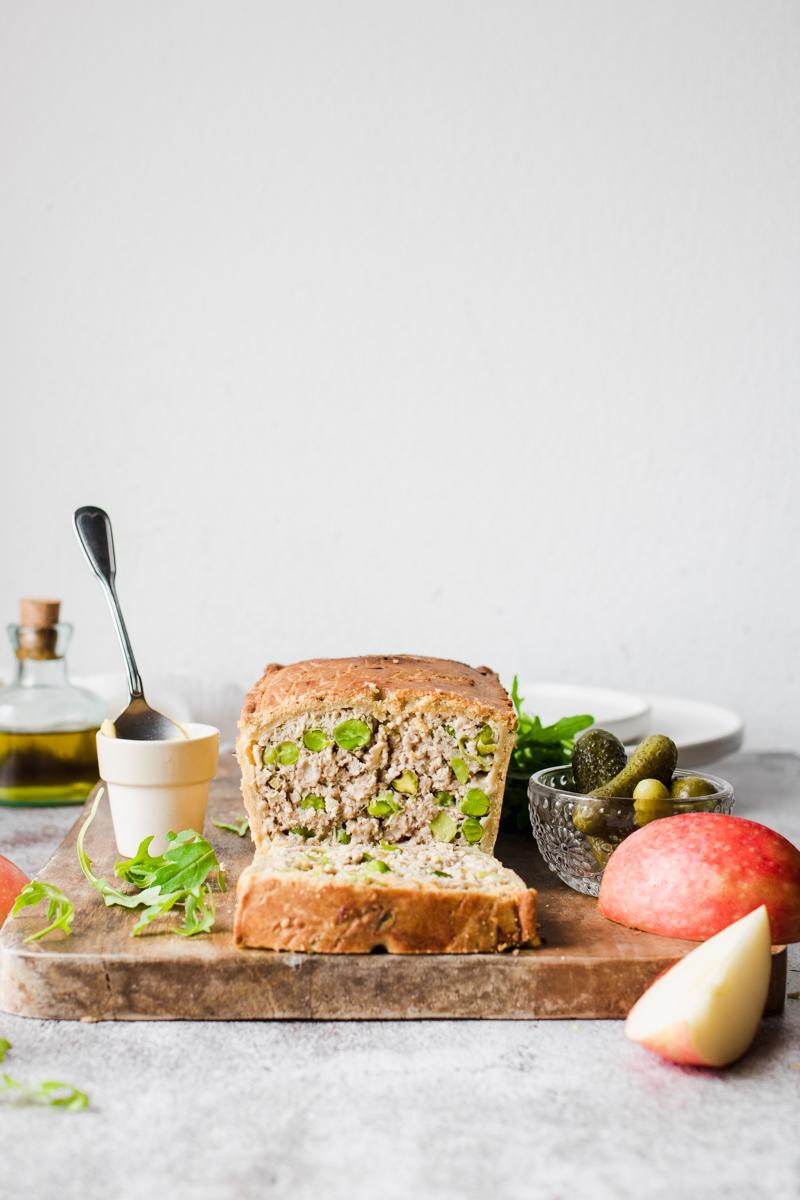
{"points": [[468, 328]]}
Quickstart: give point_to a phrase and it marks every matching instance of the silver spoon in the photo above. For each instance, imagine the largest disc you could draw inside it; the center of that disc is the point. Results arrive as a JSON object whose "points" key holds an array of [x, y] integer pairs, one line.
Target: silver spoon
{"points": [[138, 722]]}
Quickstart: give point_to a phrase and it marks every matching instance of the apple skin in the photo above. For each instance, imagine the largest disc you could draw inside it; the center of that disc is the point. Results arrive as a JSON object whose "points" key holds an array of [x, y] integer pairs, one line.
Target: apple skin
{"points": [[12, 881], [691, 875], [706, 1009]]}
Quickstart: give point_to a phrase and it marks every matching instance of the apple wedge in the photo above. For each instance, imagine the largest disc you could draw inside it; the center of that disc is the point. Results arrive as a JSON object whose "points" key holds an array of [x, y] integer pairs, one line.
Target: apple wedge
{"points": [[705, 1010]]}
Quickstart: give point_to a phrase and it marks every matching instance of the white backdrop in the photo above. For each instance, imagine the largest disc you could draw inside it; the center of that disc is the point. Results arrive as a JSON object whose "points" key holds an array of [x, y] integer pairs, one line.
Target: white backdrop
{"points": [[462, 328]]}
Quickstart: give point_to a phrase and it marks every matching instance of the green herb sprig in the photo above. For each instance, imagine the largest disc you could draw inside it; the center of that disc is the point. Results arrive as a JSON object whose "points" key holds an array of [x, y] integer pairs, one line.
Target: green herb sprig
{"points": [[60, 909], [537, 746], [182, 877], [239, 827], [51, 1092]]}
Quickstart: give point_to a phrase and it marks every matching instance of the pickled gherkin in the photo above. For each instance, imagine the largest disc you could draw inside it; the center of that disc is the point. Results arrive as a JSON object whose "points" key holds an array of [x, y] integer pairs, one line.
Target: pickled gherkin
{"points": [[589, 817], [598, 757], [603, 848], [645, 777], [655, 758]]}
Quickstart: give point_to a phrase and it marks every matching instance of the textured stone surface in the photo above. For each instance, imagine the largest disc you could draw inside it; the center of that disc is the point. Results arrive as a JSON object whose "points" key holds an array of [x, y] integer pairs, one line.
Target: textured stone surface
{"points": [[423, 1109]]}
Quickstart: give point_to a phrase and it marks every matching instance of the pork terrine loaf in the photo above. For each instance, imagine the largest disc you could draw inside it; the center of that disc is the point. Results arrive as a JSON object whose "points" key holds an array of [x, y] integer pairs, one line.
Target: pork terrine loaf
{"points": [[415, 899], [374, 787], [376, 749]]}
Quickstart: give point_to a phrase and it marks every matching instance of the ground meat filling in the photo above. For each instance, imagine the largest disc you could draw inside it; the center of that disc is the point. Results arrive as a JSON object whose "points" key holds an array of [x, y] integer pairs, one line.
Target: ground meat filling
{"points": [[450, 868], [346, 776]]}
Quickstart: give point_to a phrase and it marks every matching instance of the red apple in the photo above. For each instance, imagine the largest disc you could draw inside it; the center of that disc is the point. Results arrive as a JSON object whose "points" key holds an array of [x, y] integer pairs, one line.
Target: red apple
{"points": [[691, 875], [706, 1009], [12, 881]]}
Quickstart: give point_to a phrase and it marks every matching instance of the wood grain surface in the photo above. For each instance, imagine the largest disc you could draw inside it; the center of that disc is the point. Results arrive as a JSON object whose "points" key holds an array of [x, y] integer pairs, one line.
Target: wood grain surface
{"points": [[585, 967]]}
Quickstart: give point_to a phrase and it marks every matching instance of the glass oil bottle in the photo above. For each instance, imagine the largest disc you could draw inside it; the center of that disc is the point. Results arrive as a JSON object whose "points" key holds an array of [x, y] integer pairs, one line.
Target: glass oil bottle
{"points": [[48, 753]]}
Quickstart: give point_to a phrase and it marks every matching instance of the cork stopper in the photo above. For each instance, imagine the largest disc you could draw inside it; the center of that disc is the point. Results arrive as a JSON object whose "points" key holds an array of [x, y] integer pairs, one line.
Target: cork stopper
{"points": [[38, 614], [37, 634]]}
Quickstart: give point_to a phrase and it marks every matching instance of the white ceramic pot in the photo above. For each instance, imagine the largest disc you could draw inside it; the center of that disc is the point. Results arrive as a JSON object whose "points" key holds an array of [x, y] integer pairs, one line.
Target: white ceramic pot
{"points": [[155, 788]]}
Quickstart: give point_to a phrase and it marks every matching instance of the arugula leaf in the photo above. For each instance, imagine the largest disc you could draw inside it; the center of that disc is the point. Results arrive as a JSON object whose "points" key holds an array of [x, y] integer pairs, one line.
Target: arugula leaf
{"points": [[136, 870], [160, 908], [242, 827], [199, 914], [537, 746], [111, 895], [180, 877], [540, 745], [185, 865], [60, 909], [51, 1092], [516, 699]]}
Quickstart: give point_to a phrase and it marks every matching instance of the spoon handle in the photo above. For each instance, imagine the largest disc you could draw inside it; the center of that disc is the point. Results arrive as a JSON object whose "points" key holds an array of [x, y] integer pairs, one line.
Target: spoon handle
{"points": [[93, 528]]}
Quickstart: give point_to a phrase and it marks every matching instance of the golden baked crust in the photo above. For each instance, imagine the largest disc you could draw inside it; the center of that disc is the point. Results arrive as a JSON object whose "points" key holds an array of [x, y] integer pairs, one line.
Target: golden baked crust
{"points": [[292, 689], [318, 914]]}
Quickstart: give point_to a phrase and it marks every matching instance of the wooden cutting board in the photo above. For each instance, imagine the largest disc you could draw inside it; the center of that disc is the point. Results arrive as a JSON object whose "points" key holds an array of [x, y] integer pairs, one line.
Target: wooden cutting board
{"points": [[585, 967]]}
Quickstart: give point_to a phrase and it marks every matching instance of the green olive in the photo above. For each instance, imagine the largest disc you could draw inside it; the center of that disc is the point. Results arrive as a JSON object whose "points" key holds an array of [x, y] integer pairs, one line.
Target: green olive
{"points": [[316, 740], [650, 789], [691, 787], [269, 755], [353, 734], [313, 801], [444, 826], [407, 783], [287, 753], [651, 807], [476, 803], [472, 830], [444, 799], [459, 769]]}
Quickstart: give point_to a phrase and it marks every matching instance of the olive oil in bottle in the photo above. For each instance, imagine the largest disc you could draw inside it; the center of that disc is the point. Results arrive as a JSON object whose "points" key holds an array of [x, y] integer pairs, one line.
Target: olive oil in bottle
{"points": [[47, 726]]}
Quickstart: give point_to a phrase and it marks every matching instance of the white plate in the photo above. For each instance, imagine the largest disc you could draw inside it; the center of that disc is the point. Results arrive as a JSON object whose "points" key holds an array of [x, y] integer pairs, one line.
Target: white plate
{"points": [[702, 732], [621, 713]]}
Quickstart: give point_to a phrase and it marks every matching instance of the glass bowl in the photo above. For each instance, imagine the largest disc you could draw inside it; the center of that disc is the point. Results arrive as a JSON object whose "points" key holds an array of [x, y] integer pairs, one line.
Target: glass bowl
{"points": [[576, 834]]}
